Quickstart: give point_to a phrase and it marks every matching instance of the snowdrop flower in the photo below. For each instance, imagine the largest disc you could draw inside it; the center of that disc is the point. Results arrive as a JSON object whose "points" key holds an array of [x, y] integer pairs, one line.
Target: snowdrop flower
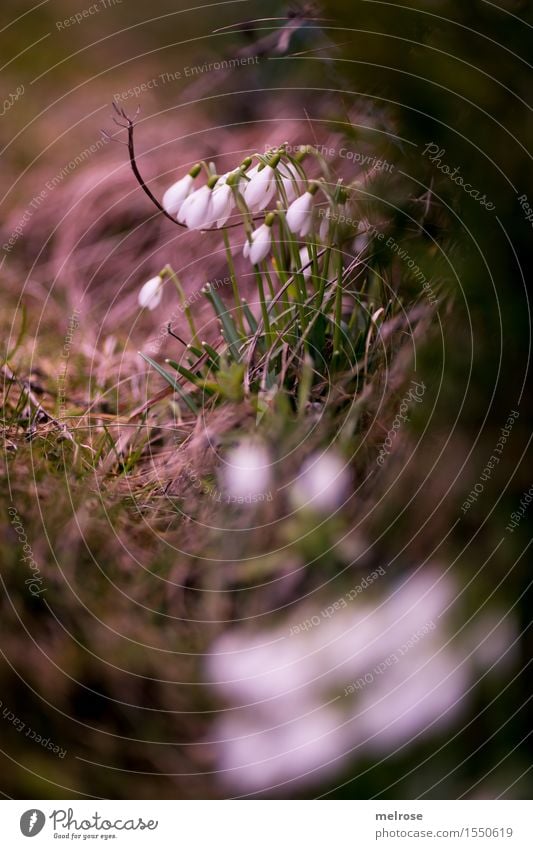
{"points": [[176, 194], [323, 483], [151, 293], [246, 475], [300, 211], [290, 179], [260, 188], [261, 240], [222, 201], [197, 209]]}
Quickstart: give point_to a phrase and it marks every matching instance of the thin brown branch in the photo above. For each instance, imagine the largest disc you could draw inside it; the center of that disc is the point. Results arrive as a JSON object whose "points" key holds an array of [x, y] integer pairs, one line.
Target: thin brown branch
{"points": [[129, 124]]}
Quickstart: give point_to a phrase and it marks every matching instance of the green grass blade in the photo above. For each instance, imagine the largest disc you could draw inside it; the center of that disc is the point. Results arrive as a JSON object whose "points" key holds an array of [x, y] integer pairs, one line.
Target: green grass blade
{"points": [[171, 380]]}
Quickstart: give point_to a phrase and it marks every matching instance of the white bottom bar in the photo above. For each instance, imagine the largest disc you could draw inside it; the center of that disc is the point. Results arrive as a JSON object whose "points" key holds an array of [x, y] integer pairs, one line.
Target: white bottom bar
{"points": [[267, 824]]}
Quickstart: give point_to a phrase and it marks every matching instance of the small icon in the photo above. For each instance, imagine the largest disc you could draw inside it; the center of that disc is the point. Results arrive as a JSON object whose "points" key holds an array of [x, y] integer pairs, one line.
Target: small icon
{"points": [[32, 822]]}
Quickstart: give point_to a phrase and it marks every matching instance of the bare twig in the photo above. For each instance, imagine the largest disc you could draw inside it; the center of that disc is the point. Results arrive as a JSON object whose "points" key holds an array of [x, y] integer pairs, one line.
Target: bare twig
{"points": [[270, 45]]}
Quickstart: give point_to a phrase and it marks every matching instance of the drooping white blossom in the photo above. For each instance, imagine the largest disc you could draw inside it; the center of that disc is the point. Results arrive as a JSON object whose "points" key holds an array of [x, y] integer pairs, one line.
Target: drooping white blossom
{"points": [[176, 194], [222, 203], [258, 192], [195, 211], [151, 292], [259, 246], [323, 483]]}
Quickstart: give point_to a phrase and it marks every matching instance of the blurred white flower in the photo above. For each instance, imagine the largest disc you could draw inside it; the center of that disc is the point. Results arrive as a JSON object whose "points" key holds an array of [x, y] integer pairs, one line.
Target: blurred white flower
{"points": [[290, 179], [367, 676], [176, 194], [323, 483], [150, 293], [258, 192], [247, 471], [260, 244], [195, 211], [299, 214]]}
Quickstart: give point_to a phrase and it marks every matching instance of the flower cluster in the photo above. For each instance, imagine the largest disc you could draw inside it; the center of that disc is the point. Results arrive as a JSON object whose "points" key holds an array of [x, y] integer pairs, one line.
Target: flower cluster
{"points": [[322, 485]]}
